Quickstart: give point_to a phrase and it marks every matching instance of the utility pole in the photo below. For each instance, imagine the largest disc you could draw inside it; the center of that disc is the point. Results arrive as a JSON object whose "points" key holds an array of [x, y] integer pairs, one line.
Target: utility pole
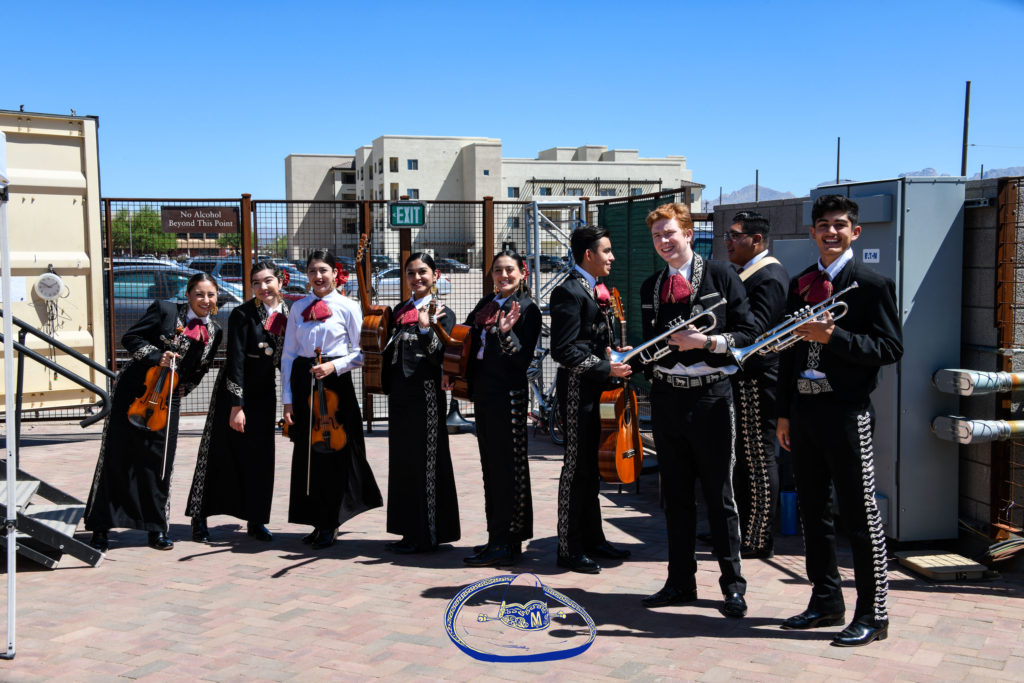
{"points": [[757, 185], [967, 118], [838, 139]]}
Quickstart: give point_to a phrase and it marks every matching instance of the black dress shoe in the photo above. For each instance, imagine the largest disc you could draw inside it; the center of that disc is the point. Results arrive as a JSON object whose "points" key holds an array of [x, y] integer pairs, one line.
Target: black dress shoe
{"points": [[861, 632], [670, 595], [258, 531], [159, 540], [579, 563], [325, 538], [810, 618], [311, 536], [497, 555], [200, 532], [735, 606], [477, 549], [100, 541], [748, 553], [606, 549]]}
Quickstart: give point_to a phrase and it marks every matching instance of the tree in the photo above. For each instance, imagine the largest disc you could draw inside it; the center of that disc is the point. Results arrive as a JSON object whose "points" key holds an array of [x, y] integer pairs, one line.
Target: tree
{"points": [[139, 232], [230, 239]]}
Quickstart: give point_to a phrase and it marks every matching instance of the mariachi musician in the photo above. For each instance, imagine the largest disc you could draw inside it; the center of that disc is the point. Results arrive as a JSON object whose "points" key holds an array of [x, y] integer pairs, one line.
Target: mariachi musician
{"points": [[131, 487], [580, 339], [423, 506], [330, 480], [505, 327], [235, 466]]}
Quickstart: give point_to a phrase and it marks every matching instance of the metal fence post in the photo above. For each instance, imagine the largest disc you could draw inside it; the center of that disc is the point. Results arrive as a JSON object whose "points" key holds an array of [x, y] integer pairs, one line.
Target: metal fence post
{"points": [[488, 245], [247, 246], [112, 345], [363, 271]]}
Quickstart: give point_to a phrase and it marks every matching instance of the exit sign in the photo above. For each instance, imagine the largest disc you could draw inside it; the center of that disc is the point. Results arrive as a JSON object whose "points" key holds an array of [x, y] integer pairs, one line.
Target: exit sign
{"points": [[408, 214]]}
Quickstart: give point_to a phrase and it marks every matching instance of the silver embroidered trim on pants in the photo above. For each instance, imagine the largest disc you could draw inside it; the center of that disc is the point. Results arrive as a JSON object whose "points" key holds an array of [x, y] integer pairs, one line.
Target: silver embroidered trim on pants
{"points": [[572, 413], [756, 531], [880, 565], [198, 491], [430, 387], [520, 461]]}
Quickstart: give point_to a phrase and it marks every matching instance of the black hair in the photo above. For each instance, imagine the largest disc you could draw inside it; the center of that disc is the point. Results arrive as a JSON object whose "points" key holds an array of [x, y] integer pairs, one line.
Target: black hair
{"points": [[266, 264], [835, 202], [421, 256], [752, 222], [200, 277], [321, 255], [514, 255], [585, 238]]}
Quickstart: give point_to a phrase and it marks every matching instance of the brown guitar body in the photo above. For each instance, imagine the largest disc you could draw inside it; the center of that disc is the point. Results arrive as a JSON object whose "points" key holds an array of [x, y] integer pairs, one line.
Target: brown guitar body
{"points": [[621, 453], [456, 359], [372, 339]]}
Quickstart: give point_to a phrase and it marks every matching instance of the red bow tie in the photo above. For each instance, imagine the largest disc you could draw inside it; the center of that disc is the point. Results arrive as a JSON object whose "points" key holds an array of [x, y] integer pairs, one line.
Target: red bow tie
{"points": [[815, 287], [276, 323], [676, 290], [488, 315], [601, 293], [195, 329], [318, 310], [407, 314]]}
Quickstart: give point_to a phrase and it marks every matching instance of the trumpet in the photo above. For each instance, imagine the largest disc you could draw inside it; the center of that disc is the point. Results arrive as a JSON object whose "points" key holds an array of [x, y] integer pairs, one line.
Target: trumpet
{"points": [[784, 335], [654, 349]]}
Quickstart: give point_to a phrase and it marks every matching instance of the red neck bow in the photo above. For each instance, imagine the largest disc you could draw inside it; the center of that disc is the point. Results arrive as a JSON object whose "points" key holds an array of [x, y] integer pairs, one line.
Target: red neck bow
{"points": [[406, 315], [601, 293], [195, 329], [276, 323], [318, 310], [488, 315], [676, 289], [815, 287]]}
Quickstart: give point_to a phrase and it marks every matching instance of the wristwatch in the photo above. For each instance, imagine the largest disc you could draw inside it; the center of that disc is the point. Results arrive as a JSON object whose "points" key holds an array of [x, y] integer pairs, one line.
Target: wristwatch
{"points": [[708, 342]]}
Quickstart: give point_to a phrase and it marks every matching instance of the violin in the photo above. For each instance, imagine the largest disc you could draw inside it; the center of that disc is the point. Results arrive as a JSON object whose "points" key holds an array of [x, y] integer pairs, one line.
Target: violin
{"points": [[326, 434], [621, 452], [455, 362], [149, 411]]}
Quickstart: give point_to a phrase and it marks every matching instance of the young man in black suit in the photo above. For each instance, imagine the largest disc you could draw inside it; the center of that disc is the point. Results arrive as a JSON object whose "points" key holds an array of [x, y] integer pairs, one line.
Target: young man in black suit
{"points": [[580, 341], [756, 477], [691, 404], [826, 419]]}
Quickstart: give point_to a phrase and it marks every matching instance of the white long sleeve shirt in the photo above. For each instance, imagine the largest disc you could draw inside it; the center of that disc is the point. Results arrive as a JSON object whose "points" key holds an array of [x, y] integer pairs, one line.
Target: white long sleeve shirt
{"points": [[337, 337]]}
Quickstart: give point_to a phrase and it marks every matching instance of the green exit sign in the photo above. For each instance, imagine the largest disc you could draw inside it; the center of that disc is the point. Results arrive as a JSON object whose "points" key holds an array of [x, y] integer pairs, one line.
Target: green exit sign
{"points": [[408, 214]]}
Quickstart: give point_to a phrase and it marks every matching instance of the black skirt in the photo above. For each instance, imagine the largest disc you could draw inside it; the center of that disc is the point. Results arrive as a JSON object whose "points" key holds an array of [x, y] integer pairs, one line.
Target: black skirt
{"points": [[340, 483]]}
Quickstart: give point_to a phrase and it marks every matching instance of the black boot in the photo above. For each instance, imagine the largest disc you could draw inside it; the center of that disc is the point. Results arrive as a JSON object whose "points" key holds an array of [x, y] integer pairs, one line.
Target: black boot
{"points": [[100, 541], [325, 538], [200, 532], [159, 540], [258, 531]]}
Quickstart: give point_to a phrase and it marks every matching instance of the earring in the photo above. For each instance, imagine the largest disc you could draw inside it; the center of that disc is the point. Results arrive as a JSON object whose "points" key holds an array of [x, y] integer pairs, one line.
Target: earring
{"points": [[309, 287], [495, 289], [433, 289], [214, 309]]}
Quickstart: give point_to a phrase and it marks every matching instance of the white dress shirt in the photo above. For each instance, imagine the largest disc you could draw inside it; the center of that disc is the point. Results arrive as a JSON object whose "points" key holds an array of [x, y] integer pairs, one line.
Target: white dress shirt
{"points": [[337, 337]]}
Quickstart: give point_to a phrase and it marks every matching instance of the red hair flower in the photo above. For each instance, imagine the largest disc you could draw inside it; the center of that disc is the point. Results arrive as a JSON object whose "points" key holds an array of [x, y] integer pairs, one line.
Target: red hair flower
{"points": [[285, 278], [526, 271], [341, 278]]}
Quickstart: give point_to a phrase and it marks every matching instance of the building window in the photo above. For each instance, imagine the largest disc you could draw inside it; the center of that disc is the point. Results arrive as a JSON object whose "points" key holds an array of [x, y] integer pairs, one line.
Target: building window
{"points": [[545, 192], [348, 178], [413, 164], [393, 164], [636, 191], [413, 193], [513, 193], [512, 222], [575, 191], [360, 174], [487, 172], [607, 193], [394, 191]]}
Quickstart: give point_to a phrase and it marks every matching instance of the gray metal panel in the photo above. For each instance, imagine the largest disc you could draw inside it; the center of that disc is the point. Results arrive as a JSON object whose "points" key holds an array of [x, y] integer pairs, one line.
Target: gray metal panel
{"points": [[794, 254]]}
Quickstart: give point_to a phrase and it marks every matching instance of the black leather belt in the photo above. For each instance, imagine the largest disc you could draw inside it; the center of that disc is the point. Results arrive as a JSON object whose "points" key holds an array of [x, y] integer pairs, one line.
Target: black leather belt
{"points": [[809, 387]]}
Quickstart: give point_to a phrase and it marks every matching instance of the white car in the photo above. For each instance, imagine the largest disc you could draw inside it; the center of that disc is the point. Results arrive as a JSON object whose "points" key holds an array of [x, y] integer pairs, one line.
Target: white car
{"points": [[387, 284]]}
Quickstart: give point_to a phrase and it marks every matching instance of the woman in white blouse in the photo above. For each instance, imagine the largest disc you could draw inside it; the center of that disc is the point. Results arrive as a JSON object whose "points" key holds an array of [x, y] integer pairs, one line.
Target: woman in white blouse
{"points": [[330, 480]]}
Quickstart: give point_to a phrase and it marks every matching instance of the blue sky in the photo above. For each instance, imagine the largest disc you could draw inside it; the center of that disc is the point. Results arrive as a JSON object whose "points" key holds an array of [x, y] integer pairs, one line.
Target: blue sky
{"points": [[205, 99]]}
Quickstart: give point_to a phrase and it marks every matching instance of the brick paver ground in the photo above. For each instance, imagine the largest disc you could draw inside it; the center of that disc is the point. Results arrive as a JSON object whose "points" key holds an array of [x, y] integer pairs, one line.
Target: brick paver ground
{"points": [[239, 609]]}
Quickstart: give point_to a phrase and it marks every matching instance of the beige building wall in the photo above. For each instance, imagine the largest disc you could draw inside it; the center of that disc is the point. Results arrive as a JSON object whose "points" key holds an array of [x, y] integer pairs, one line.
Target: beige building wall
{"points": [[54, 220]]}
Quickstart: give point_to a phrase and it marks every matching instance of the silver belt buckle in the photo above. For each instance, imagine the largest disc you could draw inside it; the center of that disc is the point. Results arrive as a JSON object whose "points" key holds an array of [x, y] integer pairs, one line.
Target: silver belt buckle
{"points": [[810, 387]]}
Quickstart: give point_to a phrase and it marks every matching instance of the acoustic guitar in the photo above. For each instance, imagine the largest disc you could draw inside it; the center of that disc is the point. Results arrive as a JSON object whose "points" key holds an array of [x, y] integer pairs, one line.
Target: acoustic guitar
{"points": [[457, 345], [376, 329], [621, 453]]}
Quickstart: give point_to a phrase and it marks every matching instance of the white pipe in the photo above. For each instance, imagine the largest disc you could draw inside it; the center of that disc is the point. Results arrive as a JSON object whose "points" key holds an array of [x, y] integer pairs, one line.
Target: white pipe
{"points": [[12, 446]]}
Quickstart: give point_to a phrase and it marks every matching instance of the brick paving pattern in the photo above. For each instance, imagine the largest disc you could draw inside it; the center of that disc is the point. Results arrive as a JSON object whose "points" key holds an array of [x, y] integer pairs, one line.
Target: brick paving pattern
{"points": [[239, 609]]}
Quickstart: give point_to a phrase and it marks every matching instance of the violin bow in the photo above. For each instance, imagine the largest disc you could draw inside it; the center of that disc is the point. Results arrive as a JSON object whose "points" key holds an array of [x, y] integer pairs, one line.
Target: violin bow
{"points": [[170, 402], [309, 441]]}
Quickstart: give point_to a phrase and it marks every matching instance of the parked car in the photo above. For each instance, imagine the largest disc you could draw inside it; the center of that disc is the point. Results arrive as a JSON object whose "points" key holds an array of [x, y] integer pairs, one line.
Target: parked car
{"points": [[550, 263], [137, 286], [382, 262], [450, 265], [388, 284], [230, 269]]}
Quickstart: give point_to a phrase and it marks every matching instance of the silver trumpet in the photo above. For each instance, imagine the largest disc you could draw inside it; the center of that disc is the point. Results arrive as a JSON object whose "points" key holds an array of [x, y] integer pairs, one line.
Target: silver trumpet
{"points": [[784, 335], [657, 347]]}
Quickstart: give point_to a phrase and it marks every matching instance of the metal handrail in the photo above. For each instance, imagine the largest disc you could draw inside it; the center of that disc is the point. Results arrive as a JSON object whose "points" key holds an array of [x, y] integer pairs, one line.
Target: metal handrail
{"points": [[27, 327]]}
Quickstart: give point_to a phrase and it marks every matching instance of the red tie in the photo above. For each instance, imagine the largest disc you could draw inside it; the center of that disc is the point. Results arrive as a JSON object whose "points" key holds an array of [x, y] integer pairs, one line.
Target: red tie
{"points": [[815, 287], [676, 290], [601, 293], [197, 330], [407, 314], [488, 315], [276, 323], [318, 310]]}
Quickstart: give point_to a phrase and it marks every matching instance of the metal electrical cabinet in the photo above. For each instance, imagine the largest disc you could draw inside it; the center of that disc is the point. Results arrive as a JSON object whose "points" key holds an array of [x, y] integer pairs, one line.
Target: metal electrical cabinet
{"points": [[912, 232]]}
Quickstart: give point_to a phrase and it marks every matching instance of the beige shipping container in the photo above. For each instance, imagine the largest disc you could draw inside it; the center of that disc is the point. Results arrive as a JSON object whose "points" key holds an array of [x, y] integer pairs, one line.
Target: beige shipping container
{"points": [[54, 224]]}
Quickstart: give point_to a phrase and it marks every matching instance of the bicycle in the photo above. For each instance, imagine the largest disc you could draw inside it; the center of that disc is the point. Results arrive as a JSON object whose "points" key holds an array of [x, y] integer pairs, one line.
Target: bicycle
{"points": [[544, 412]]}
